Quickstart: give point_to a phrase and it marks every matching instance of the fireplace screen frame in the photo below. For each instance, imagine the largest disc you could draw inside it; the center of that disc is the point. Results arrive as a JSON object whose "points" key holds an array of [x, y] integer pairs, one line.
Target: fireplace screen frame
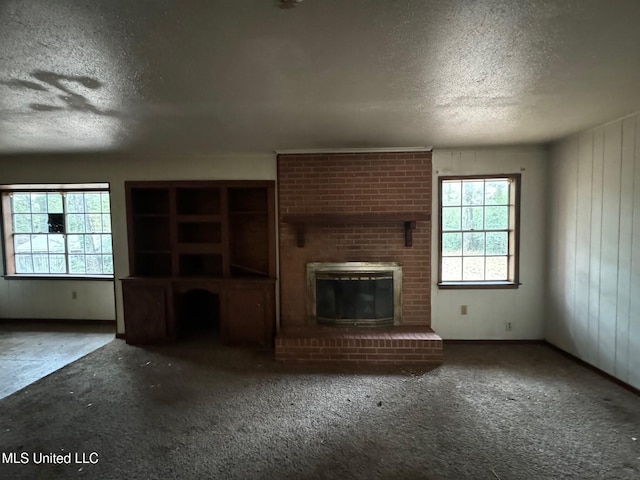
{"points": [[314, 268]]}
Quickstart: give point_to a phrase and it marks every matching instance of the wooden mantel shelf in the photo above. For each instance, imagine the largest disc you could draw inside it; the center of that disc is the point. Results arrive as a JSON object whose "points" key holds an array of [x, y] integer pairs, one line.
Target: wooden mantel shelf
{"points": [[408, 219]]}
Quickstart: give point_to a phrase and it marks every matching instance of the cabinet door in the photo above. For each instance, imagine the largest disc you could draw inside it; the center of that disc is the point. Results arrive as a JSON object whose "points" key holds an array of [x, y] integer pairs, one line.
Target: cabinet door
{"points": [[145, 313], [248, 316]]}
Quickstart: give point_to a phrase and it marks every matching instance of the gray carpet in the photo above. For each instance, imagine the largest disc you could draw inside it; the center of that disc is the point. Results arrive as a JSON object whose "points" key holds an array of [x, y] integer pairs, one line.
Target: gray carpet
{"points": [[197, 410]]}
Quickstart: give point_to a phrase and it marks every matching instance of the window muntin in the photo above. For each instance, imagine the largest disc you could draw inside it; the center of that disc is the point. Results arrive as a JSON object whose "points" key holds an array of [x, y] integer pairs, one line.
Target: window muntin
{"points": [[64, 232], [478, 231]]}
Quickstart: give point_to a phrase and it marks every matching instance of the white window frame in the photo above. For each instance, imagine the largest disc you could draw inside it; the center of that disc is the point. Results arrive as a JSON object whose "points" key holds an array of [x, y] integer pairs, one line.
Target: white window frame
{"points": [[8, 234], [513, 256]]}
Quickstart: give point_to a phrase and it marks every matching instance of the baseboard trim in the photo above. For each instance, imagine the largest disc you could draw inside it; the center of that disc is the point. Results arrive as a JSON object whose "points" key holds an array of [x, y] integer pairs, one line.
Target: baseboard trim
{"points": [[492, 342], [58, 320], [602, 373], [121, 336]]}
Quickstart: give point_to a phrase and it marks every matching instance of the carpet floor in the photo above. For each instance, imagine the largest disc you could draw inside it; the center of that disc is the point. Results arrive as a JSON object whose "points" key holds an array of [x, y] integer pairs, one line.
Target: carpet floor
{"points": [[198, 410]]}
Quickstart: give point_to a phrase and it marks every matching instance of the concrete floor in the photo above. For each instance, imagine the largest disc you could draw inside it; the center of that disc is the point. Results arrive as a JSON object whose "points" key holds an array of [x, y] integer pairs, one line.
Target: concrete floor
{"points": [[30, 351]]}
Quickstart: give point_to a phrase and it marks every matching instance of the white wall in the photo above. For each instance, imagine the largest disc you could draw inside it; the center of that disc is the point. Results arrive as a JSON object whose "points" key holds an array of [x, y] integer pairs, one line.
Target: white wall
{"points": [[95, 299], [594, 248], [488, 310]]}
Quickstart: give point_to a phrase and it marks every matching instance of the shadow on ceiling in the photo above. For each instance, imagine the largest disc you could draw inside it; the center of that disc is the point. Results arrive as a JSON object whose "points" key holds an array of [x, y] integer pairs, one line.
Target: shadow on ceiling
{"points": [[63, 85]]}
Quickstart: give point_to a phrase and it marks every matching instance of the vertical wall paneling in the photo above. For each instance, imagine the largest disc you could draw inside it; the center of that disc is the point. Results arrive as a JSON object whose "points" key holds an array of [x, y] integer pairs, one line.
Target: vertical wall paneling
{"points": [[596, 239], [586, 331], [603, 327], [609, 245], [568, 226], [624, 248], [633, 340]]}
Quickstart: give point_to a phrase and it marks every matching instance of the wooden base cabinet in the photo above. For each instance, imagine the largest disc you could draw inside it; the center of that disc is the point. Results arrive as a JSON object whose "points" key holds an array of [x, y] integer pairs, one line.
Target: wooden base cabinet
{"points": [[147, 312], [246, 313]]}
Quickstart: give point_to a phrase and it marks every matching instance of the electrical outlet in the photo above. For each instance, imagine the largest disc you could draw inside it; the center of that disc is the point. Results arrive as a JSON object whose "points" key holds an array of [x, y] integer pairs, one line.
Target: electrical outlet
{"points": [[508, 326], [74, 295], [463, 309]]}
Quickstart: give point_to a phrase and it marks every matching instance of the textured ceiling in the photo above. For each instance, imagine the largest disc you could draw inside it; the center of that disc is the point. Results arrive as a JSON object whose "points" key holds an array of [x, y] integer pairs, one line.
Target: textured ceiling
{"points": [[247, 76]]}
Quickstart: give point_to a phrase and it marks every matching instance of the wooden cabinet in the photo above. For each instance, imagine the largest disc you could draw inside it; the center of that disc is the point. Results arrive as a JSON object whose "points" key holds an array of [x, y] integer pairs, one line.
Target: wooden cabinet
{"points": [[146, 311], [251, 308], [213, 231]]}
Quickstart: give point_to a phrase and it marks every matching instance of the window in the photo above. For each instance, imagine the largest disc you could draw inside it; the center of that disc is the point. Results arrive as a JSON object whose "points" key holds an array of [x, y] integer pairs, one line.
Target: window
{"points": [[479, 223], [61, 231]]}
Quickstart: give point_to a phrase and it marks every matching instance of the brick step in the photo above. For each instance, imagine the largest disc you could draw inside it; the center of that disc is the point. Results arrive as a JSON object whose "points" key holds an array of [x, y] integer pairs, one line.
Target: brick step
{"points": [[393, 346]]}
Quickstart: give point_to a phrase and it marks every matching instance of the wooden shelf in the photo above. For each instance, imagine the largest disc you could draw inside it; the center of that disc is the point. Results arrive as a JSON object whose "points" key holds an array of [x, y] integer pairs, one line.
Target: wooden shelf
{"points": [[198, 218], [408, 219], [195, 248]]}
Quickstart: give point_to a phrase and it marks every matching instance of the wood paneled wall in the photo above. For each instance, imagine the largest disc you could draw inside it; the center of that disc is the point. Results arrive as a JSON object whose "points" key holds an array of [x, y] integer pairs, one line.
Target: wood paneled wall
{"points": [[593, 288]]}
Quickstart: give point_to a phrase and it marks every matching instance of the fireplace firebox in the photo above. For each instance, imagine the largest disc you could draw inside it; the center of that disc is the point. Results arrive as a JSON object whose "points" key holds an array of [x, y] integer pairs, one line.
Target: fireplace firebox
{"points": [[367, 294]]}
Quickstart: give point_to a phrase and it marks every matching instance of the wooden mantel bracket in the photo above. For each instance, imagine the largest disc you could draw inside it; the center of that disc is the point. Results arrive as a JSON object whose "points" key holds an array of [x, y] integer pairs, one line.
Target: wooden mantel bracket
{"points": [[408, 219], [409, 227]]}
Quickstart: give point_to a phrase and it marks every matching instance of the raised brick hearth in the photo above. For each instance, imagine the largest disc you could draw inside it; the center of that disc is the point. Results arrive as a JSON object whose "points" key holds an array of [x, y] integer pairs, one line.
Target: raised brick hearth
{"points": [[386, 191], [391, 346]]}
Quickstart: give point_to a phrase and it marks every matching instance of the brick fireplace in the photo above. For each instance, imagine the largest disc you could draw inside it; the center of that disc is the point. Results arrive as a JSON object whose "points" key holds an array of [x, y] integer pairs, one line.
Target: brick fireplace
{"points": [[356, 207]]}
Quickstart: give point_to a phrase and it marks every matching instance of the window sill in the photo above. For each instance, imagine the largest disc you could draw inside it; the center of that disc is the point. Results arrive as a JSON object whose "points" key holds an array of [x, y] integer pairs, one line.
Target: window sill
{"points": [[477, 285], [30, 276]]}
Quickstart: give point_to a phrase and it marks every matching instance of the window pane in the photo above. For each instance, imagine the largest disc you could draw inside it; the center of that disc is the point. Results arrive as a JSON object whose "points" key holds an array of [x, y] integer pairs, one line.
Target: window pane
{"points": [[451, 269], [41, 263], [93, 243], [451, 218], [22, 243], [106, 223], [24, 263], [473, 268], [107, 264], [22, 223], [21, 202], [74, 202], [75, 243], [106, 244], [56, 223], [451, 193], [472, 218], [39, 243], [472, 192], [40, 223], [94, 223], [94, 263], [56, 243], [75, 223], [76, 264], [57, 264], [497, 268], [39, 203], [451, 244], [473, 243], [496, 218], [93, 202], [105, 202], [54, 202], [496, 192], [497, 243]]}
